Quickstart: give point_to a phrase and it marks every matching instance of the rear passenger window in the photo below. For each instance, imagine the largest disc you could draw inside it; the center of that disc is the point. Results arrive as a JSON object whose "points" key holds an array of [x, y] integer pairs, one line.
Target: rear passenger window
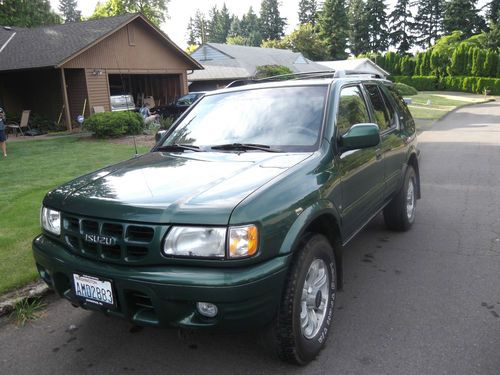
{"points": [[382, 117], [352, 109]]}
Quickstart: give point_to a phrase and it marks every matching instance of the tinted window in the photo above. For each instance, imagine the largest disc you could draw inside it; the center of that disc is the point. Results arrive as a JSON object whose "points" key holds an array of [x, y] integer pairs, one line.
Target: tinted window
{"points": [[352, 109], [382, 117], [404, 112], [390, 107], [288, 118]]}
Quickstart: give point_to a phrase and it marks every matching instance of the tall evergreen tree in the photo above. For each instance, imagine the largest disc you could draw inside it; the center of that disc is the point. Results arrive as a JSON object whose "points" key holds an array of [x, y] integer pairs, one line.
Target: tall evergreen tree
{"points": [[429, 21], [493, 12], [401, 22], [308, 12], [250, 28], [463, 15], [198, 29], [376, 20], [272, 25], [358, 30], [69, 11], [27, 13], [334, 28]]}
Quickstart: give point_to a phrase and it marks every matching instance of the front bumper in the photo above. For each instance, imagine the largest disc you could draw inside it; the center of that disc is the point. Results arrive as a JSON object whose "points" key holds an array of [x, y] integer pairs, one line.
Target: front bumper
{"points": [[246, 297]]}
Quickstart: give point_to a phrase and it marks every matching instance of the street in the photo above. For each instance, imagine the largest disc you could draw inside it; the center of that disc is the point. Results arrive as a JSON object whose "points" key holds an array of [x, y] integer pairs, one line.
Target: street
{"points": [[422, 302]]}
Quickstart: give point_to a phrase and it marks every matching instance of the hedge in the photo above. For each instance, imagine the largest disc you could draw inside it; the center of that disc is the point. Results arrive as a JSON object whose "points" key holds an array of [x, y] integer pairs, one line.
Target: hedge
{"points": [[452, 83], [405, 90], [114, 124]]}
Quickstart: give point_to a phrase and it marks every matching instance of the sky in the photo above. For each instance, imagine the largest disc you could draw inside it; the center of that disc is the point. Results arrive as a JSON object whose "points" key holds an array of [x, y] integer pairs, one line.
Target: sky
{"points": [[180, 10]]}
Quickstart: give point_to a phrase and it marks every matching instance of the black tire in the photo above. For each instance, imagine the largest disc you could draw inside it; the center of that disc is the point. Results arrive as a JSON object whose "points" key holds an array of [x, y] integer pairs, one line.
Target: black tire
{"points": [[399, 214], [290, 341]]}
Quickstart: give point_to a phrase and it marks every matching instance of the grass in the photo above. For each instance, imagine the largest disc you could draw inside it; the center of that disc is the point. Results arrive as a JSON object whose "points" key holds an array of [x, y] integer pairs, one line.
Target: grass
{"points": [[440, 103], [25, 310], [31, 169]]}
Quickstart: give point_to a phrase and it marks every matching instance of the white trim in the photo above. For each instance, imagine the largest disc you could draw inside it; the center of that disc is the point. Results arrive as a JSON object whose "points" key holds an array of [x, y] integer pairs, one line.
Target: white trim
{"points": [[7, 42]]}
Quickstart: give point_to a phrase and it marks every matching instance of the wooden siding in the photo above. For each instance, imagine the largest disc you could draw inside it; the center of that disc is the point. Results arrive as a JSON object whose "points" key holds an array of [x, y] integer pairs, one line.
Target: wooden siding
{"points": [[98, 88], [208, 53], [150, 53], [76, 87]]}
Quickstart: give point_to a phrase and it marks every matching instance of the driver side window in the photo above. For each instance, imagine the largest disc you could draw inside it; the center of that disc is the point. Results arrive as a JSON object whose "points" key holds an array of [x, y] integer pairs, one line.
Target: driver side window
{"points": [[352, 109]]}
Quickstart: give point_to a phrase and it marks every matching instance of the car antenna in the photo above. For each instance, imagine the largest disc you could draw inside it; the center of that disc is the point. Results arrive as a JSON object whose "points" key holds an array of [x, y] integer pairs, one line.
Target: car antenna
{"points": [[126, 102]]}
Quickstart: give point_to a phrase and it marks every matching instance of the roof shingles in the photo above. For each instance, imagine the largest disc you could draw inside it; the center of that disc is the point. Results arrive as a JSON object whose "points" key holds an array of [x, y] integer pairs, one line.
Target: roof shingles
{"points": [[47, 46]]}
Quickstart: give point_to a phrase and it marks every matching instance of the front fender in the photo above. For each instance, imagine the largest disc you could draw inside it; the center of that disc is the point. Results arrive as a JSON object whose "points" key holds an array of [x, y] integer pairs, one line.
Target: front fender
{"points": [[303, 220]]}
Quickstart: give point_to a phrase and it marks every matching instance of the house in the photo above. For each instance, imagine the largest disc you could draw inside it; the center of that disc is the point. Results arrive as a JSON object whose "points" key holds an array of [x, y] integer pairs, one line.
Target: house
{"points": [[225, 63], [62, 71], [360, 65]]}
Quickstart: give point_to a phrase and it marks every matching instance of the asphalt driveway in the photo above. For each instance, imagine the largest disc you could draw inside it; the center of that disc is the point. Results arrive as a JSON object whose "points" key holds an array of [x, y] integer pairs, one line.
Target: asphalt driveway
{"points": [[422, 302]]}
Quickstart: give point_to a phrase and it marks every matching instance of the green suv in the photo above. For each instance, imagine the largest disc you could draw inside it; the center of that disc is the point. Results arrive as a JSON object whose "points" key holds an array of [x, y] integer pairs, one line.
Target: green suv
{"points": [[236, 219]]}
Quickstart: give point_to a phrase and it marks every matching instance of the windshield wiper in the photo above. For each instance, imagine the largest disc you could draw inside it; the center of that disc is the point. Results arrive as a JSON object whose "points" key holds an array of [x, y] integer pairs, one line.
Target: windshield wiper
{"points": [[244, 147], [178, 147]]}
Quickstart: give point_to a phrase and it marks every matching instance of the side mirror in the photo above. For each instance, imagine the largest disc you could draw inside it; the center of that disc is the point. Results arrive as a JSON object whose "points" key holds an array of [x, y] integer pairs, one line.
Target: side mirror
{"points": [[159, 135], [360, 136]]}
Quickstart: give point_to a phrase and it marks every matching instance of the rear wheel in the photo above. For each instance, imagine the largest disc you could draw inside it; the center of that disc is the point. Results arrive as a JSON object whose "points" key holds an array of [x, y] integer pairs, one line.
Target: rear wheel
{"points": [[400, 213], [306, 310]]}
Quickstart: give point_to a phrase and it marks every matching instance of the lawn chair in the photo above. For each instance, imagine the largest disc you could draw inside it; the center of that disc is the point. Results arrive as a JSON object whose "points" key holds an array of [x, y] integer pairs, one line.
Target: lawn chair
{"points": [[23, 124]]}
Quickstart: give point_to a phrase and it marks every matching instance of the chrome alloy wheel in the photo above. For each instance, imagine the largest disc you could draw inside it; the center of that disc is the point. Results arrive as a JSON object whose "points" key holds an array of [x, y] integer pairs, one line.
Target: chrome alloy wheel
{"points": [[314, 300], [410, 200]]}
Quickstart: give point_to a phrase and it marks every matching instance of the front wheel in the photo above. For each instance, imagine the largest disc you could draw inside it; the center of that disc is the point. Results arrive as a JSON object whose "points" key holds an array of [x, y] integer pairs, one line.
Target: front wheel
{"points": [[306, 310], [399, 214]]}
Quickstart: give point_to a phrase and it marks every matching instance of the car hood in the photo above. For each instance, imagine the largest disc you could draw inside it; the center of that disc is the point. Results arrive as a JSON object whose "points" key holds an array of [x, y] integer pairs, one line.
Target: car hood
{"points": [[164, 187]]}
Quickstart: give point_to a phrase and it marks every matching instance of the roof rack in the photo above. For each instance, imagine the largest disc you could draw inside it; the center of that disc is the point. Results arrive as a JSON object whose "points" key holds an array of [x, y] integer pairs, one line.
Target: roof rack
{"points": [[304, 75]]}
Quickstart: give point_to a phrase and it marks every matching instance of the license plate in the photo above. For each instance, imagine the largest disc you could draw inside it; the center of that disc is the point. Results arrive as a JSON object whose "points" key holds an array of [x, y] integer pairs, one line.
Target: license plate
{"points": [[94, 290]]}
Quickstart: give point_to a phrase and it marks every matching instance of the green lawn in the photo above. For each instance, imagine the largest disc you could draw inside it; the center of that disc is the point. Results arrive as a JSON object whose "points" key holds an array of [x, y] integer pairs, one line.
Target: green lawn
{"points": [[30, 170], [440, 104]]}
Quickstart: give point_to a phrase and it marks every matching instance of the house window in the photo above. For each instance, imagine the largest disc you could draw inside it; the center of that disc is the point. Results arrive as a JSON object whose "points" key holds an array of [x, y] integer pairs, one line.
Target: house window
{"points": [[131, 35]]}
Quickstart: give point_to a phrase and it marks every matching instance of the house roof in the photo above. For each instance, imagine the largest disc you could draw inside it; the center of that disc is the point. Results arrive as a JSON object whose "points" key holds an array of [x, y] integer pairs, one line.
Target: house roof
{"points": [[51, 46], [363, 64], [223, 61]]}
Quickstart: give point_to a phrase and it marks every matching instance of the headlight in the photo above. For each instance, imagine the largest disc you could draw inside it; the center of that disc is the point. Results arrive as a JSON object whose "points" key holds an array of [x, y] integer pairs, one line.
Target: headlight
{"points": [[196, 242], [243, 241], [51, 220]]}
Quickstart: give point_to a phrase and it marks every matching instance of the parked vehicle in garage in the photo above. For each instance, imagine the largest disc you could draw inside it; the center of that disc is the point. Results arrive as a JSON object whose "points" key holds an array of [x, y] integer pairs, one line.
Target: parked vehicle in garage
{"points": [[237, 218], [124, 102], [180, 105]]}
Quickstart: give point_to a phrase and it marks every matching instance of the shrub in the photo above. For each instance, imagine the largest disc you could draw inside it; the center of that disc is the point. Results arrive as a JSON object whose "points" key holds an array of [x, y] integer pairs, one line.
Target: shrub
{"points": [[421, 83], [264, 71], [114, 124], [405, 90]]}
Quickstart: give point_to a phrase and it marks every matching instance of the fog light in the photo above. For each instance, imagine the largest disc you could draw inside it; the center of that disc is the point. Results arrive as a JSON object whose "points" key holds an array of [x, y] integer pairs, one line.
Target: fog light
{"points": [[207, 309]]}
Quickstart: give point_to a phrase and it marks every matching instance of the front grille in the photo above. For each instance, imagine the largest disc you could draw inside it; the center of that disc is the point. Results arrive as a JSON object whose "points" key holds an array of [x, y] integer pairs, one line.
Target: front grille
{"points": [[111, 241]]}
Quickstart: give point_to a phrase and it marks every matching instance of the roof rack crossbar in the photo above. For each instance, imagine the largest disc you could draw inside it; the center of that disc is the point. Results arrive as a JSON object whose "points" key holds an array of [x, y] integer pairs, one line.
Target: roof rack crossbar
{"points": [[304, 75]]}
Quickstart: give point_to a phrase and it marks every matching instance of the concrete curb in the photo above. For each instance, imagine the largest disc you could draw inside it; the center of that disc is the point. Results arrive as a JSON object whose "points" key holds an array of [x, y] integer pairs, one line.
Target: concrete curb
{"points": [[35, 289]]}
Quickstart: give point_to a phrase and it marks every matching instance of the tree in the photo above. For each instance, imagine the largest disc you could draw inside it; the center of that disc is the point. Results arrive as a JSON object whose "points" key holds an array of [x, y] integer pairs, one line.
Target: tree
{"points": [[198, 29], [334, 29], [27, 13], [463, 15], [264, 71], [401, 23], [308, 12], [154, 10], [429, 21], [493, 12], [303, 39], [250, 29], [272, 25], [376, 20], [69, 11], [358, 30]]}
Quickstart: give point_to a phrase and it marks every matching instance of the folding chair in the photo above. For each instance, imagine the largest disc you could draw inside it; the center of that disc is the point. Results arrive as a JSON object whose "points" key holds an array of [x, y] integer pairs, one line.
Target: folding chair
{"points": [[23, 124]]}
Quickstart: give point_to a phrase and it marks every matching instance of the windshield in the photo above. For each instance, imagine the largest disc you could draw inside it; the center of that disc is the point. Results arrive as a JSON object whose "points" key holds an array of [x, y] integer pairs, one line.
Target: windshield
{"points": [[285, 118], [187, 99]]}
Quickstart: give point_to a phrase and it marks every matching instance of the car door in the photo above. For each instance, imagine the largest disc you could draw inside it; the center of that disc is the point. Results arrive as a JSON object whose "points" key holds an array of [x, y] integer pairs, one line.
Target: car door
{"points": [[392, 145], [361, 170]]}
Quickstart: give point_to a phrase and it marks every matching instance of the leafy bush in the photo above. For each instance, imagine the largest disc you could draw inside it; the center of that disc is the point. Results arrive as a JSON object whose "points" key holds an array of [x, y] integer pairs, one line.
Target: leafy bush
{"points": [[166, 122], [420, 83], [114, 124], [405, 90], [264, 71]]}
